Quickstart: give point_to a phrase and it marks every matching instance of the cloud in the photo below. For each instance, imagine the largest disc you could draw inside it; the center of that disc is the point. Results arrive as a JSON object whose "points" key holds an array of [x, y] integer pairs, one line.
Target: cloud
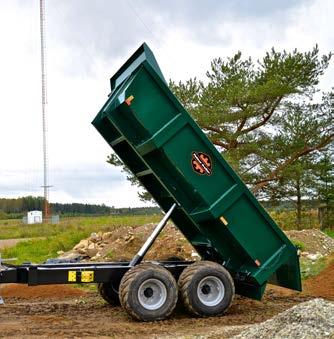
{"points": [[87, 41], [107, 30], [84, 183], [92, 30]]}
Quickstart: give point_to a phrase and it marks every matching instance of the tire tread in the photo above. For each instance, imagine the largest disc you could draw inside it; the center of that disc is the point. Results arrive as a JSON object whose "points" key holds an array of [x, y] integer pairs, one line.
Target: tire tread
{"points": [[185, 280], [125, 284]]}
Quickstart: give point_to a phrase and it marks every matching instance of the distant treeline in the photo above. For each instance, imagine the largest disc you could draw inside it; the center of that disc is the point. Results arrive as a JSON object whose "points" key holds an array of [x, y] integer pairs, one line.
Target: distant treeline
{"points": [[17, 208], [288, 205]]}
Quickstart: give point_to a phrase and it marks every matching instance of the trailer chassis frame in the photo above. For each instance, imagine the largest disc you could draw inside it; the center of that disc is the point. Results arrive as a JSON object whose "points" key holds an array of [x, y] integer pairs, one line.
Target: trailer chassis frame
{"points": [[89, 272]]}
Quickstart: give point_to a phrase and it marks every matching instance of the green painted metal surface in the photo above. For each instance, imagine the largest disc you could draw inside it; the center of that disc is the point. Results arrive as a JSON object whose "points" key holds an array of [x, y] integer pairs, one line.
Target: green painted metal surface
{"points": [[161, 144]]}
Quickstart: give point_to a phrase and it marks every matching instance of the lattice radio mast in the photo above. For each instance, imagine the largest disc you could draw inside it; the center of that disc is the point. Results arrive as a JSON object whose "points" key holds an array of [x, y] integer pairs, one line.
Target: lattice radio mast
{"points": [[44, 102]]}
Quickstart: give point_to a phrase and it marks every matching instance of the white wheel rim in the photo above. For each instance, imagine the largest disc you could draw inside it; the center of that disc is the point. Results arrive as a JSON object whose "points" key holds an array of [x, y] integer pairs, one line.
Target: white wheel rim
{"points": [[210, 291], [152, 294]]}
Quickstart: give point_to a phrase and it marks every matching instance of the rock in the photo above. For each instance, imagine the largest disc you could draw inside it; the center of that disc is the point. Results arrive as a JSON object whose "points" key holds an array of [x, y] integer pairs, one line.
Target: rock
{"points": [[129, 238], [91, 250], [305, 254], [106, 236], [82, 244], [82, 251], [96, 257], [194, 255], [311, 319], [72, 255], [314, 256], [94, 237], [313, 240]]}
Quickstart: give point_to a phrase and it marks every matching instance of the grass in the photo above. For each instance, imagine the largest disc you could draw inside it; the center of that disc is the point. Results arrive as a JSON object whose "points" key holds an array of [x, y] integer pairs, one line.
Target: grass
{"points": [[70, 231], [61, 237], [330, 232], [299, 244], [309, 268], [287, 220], [13, 229]]}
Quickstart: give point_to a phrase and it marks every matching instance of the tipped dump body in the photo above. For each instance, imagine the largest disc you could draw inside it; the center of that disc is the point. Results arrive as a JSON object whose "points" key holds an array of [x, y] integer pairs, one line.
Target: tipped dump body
{"points": [[165, 149]]}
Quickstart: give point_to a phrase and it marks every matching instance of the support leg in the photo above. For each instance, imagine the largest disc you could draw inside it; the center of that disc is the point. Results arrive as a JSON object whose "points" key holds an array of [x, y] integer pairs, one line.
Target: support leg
{"points": [[148, 243]]}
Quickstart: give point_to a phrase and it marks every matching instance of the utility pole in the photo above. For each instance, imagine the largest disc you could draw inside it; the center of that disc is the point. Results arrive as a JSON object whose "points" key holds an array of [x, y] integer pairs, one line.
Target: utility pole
{"points": [[44, 102]]}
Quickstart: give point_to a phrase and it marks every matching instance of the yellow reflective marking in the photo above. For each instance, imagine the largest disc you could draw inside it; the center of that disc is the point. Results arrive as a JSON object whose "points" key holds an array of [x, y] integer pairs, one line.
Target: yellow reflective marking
{"points": [[129, 99], [72, 276], [223, 220], [87, 276]]}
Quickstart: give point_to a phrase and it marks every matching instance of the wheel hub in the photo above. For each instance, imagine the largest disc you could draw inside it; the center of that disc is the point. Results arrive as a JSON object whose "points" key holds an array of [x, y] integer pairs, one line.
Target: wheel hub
{"points": [[152, 294], [210, 291], [148, 293], [206, 289]]}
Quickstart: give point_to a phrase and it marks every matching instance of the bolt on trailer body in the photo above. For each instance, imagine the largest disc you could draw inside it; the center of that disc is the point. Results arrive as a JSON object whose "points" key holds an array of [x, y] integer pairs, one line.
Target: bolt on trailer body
{"points": [[241, 247]]}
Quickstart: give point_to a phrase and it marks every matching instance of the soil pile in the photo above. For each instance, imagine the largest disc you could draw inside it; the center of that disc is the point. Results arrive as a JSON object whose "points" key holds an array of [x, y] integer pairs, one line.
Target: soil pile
{"points": [[313, 242], [321, 285], [123, 244], [311, 319]]}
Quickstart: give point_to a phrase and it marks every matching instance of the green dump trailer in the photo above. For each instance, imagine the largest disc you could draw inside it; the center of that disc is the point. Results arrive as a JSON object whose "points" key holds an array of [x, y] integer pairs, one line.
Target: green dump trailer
{"points": [[156, 138], [241, 247]]}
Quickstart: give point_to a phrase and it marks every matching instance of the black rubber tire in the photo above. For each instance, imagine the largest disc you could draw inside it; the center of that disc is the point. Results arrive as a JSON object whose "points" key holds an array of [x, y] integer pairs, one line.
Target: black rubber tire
{"points": [[188, 284], [109, 293], [130, 284]]}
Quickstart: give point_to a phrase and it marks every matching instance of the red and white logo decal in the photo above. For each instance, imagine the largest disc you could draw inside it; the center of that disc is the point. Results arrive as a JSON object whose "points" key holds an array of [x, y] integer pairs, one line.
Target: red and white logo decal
{"points": [[201, 163]]}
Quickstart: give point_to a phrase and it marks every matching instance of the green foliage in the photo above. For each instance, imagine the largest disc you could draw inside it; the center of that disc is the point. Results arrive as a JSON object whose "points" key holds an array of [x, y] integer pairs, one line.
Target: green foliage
{"points": [[17, 208], [299, 244], [310, 268], [325, 188], [302, 132], [64, 236], [14, 229], [306, 177], [244, 104], [330, 232], [38, 250], [260, 114], [287, 219]]}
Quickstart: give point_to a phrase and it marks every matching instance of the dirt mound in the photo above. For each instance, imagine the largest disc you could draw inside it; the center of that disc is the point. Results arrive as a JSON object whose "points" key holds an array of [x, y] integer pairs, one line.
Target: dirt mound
{"points": [[311, 319], [312, 241], [36, 292], [123, 244], [322, 285]]}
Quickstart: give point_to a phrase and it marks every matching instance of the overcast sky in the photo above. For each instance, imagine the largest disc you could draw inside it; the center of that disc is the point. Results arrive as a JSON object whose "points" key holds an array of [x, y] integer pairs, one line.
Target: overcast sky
{"points": [[87, 41]]}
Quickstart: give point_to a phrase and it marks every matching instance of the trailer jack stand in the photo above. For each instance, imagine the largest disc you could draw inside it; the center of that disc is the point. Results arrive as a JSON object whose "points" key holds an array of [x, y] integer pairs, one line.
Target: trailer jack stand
{"points": [[150, 240]]}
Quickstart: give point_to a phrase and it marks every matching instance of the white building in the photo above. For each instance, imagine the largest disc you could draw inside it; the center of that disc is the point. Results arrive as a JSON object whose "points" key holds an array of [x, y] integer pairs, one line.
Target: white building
{"points": [[34, 217]]}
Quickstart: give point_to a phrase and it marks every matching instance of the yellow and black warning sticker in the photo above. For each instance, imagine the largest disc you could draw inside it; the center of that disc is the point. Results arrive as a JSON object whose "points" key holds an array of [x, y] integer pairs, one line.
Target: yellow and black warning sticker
{"points": [[72, 276], [87, 276], [201, 163], [81, 276]]}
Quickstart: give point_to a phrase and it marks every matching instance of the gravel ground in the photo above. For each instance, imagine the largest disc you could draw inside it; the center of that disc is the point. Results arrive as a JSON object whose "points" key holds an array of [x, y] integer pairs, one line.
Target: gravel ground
{"points": [[308, 320], [55, 311]]}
